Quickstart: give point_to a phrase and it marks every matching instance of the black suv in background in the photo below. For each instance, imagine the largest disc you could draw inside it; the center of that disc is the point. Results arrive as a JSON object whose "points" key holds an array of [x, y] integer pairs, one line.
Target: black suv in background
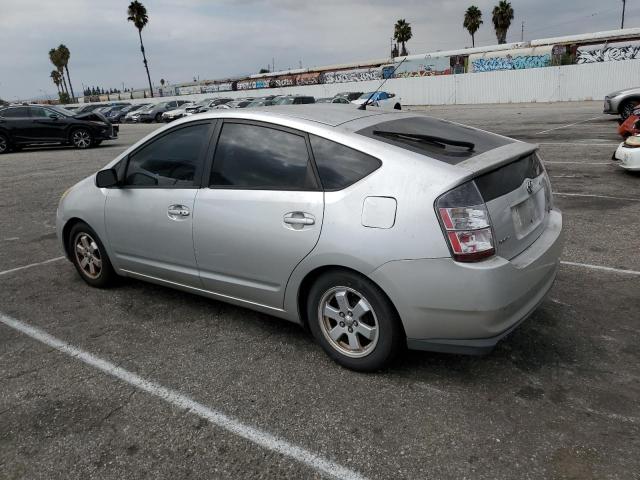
{"points": [[23, 125]]}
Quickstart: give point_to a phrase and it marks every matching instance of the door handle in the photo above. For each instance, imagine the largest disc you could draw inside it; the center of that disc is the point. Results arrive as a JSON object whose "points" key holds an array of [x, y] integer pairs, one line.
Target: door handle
{"points": [[178, 211], [299, 221]]}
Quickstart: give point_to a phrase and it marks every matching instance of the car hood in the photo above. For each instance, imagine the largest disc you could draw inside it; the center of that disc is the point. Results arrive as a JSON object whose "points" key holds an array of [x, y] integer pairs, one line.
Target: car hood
{"points": [[92, 116], [625, 91]]}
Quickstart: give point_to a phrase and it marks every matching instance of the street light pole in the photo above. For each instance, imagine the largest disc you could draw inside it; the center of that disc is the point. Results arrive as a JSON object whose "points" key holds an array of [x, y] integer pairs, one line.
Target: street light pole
{"points": [[624, 4]]}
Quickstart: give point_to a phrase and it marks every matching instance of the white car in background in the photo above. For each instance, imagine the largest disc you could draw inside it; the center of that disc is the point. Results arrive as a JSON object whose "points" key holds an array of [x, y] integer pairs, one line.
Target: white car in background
{"points": [[177, 113], [628, 153], [379, 99]]}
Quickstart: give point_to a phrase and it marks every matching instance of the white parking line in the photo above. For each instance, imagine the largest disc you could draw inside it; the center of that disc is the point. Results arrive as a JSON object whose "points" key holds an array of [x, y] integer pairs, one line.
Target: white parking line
{"points": [[600, 267], [579, 163], [591, 195], [255, 435], [580, 144], [568, 125], [31, 265]]}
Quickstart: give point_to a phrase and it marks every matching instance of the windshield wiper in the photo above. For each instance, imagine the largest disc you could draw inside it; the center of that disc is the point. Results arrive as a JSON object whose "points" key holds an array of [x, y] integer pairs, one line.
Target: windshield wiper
{"points": [[440, 142]]}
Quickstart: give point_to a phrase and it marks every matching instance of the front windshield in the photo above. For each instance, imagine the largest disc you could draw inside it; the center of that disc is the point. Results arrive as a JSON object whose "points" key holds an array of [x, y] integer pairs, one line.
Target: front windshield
{"points": [[285, 101], [203, 103], [62, 110], [364, 96]]}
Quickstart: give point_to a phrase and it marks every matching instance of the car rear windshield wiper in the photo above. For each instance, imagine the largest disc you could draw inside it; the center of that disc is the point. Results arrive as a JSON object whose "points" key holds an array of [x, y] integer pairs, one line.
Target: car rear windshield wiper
{"points": [[440, 142]]}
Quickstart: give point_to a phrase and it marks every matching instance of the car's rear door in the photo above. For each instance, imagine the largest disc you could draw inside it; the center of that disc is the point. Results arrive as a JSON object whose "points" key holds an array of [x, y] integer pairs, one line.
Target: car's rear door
{"points": [[17, 121], [260, 214], [149, 218]]}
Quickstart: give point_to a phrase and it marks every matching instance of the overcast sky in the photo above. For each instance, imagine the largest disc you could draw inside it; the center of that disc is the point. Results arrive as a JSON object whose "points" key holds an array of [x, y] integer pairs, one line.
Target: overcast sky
{"points": [[222, 38]]}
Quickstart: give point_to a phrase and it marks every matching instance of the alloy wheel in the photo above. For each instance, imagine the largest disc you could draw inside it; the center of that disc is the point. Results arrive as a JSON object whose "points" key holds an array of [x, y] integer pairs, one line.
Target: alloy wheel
{"points": [[348, 322], [81, 139], [88, 255]]}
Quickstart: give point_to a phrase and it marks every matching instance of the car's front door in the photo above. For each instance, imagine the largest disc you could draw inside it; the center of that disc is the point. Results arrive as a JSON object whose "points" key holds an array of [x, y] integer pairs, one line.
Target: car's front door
{"points": [[260, 215], [48, 125], [149, 218]]}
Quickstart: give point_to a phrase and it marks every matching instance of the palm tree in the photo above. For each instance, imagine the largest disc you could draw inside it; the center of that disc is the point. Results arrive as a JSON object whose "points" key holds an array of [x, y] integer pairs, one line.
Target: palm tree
{"points": [[402, 33], [55, 77], [502, 16], [56, 59], [65, 55], [472, 22], [137, 13]]}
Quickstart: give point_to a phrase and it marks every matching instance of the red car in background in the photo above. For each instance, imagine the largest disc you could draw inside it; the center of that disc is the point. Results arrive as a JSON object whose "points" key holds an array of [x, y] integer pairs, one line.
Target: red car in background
{"points": [[630, 126]]}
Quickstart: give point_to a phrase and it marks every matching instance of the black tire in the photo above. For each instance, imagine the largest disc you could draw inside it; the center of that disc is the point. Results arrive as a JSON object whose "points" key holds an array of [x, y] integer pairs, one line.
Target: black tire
{"points": [[81, 138], [627, 107], [382, 314], [106, 275], [397, 107], [158, 117], [4, 143]]}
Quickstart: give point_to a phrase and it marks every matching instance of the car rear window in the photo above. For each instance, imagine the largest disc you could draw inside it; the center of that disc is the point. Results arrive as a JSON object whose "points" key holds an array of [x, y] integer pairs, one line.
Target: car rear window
{"points": [[438, 129], [505, 179], [340, 166]]}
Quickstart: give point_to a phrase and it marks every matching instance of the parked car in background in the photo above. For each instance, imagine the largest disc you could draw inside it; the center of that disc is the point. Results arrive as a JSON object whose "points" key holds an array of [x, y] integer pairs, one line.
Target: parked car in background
{"points": [[262, 101], [233, 104], [89, 107], [386, 229], [117, 116], [630, 126], [28, 125], [379, 99], [294, 100], [204, 105], [153, 113], [350, 95], [333, 100], [622, 102], [113, 112], [176, 113], [131, 116]]}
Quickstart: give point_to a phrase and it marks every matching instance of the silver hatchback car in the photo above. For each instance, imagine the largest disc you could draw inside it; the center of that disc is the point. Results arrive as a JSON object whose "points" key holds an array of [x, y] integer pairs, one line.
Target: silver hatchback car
{"points": [[374, 229]]}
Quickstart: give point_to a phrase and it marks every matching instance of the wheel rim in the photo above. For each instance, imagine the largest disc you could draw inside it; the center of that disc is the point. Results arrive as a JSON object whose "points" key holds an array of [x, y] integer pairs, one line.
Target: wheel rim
{"points": [[3, 145], [81, 139], [88, 255], [348, 322]]}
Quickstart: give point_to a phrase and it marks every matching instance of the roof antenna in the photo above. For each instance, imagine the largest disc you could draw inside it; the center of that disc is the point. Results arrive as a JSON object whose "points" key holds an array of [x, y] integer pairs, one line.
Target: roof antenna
{"points": [[364, 105]]}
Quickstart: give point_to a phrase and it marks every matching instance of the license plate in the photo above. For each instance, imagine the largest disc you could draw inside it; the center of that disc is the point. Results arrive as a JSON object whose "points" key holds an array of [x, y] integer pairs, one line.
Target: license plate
{"points": [[526, 216]]}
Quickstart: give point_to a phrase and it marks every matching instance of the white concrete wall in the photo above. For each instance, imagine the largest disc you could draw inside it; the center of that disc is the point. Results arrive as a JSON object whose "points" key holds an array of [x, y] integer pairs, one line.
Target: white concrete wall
{"points": [[549, 84]]}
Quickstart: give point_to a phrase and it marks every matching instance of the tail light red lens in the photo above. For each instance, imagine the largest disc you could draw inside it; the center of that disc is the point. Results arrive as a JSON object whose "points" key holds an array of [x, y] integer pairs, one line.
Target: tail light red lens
{"points": [[466, 223]]}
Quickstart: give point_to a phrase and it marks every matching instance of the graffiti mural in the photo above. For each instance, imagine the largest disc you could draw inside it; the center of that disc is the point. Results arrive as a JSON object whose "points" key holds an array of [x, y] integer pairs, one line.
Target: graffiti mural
{"points": [[511, 63], [425, 67], [607, 54], [357, 75]]}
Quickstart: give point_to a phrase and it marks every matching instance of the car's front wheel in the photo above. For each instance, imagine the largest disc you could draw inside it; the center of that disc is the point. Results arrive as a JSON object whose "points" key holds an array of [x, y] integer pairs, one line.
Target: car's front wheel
{"points": [[89, 256], [353, 321], [81, 138]]}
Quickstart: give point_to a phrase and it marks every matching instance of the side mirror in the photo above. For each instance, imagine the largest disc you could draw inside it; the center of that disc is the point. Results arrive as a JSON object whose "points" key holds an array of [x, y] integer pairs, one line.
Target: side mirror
{"points": [[107, 178]]}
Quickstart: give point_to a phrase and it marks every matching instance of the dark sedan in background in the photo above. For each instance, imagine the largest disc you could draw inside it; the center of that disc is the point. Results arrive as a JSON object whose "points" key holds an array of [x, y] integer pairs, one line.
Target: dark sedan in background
{"points": [[25, 125]]}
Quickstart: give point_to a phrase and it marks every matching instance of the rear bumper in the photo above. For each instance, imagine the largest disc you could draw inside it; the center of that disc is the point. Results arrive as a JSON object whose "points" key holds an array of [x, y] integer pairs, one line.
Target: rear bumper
{"points": [[629, 158], [448, 306]]}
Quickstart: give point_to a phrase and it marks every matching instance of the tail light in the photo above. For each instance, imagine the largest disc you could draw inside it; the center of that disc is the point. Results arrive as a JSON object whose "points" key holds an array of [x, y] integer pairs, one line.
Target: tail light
{"points": [[466, 223], [632, 142]]}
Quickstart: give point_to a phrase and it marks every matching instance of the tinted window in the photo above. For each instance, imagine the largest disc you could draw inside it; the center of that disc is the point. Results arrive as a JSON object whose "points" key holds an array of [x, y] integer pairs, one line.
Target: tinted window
{"points": [[251, 156], [173, 160], [39, 112], [15, 112], [340, 166]]}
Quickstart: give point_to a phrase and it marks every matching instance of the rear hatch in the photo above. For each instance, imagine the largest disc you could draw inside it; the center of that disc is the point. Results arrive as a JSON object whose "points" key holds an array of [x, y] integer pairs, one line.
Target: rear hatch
{"points": [[507, 173]]}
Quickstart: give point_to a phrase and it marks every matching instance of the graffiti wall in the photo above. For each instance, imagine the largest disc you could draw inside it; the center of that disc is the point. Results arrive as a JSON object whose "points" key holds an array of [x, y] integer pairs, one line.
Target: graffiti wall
{"points": [[356, 75], [519, 59], [217, 87], [424, 67], [608, 53], [188, 90]]}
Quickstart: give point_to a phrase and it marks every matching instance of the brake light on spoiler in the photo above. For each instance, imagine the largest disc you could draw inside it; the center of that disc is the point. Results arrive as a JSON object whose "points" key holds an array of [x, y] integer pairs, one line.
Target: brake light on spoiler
{"points": [[466, 224]]}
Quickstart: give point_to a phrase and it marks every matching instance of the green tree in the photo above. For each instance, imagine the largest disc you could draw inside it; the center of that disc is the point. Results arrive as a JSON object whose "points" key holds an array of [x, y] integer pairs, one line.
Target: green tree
{"points": [[137, 13], [55, 77], [502, 16], [65, 55], [402, 34], [472, 22], [56, 59]]}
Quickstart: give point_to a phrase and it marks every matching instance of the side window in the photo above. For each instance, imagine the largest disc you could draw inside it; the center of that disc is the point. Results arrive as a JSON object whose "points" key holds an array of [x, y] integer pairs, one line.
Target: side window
{"points": [[39, 112], [173, 160], [15, 112], [252, 156], [340, 166]]}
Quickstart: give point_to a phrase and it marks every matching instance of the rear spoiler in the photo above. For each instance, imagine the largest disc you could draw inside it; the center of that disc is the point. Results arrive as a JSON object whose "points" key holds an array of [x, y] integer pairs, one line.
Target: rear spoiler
{"points": [[497, 157]]}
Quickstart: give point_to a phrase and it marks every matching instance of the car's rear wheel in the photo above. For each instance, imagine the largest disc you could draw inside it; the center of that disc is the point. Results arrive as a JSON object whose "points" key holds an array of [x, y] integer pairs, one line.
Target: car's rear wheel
{"points": [[81, 138], [4, 143], [626, 109], [353, 321], [90, 257], [158, 117]]}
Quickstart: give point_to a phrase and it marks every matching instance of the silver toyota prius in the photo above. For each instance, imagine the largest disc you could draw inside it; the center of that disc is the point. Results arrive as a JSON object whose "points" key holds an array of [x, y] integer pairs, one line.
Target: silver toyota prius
{"points": [[376, 230]]}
